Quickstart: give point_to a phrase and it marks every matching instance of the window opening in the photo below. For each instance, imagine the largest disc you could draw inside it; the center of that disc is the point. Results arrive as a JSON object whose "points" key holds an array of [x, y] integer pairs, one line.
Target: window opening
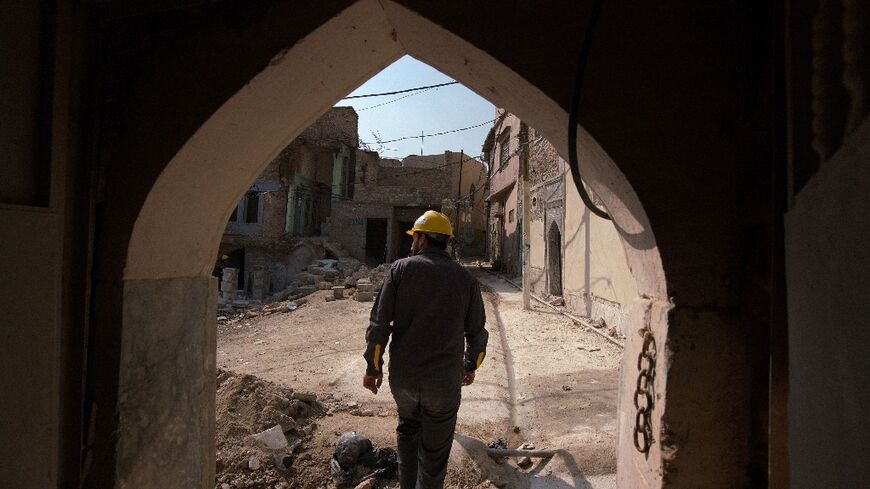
{"points": [[504, 148], [252, 208]]}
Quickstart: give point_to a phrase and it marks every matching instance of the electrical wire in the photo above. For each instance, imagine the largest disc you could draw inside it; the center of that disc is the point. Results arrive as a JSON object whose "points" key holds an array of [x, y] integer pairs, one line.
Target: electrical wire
{"points": [[401, 91], [574, 111], [437, 133], [388, 102]]}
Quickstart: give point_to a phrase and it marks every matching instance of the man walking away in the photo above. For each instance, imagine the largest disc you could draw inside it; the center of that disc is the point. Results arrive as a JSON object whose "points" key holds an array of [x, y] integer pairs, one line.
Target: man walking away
{"points": [[432, 308]]}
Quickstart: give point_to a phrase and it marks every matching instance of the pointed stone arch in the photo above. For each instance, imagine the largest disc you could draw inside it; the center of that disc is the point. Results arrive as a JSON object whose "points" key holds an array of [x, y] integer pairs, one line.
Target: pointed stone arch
{"points": [[170, 253]]}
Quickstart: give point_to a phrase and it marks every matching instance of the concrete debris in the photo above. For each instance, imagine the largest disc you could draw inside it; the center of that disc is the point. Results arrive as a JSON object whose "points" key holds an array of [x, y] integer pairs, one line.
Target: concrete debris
{"points": [[367, 484], [338, 292], [305, 396], [329, 298], [337, 275], [253, 450], [598, 323], [524, 463], [500, 444], [282, 461], [273, 438]]}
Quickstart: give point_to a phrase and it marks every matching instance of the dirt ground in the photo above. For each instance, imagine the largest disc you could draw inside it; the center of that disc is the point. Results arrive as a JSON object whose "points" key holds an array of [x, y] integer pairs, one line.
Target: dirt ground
{"points": [[545, 381]]}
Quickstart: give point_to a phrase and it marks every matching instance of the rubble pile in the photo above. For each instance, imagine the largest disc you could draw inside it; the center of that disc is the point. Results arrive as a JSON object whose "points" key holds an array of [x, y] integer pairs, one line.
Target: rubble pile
{"points": [[346, 277], [260, 427]]}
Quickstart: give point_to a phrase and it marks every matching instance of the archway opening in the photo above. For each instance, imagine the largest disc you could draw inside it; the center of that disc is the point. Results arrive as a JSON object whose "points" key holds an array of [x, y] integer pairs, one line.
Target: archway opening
{"points": [[241, 138], [554, 255]]}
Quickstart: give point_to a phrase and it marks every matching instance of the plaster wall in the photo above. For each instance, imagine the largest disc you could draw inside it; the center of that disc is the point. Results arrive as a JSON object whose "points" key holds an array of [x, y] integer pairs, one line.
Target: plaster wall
{"points": [[827, 270], [24, 34], [537, 251], [30, 343], [597, 280]]}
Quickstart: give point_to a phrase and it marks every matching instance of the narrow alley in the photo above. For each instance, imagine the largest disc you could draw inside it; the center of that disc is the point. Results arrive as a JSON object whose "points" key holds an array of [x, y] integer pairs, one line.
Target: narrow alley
{"points": [[546, 382]]}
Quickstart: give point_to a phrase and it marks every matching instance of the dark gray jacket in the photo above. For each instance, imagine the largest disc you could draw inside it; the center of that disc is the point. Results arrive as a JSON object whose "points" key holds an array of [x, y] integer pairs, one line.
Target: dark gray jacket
{"points": [[432, 308]]}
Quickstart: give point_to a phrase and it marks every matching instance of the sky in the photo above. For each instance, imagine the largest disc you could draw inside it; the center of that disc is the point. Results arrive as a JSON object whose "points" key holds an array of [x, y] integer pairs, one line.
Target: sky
{"points": [[431, 111]]}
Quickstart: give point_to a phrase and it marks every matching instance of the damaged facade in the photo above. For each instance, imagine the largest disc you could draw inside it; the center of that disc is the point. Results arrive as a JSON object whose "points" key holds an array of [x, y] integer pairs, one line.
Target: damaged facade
{"points": [[586, 268], [389, 195], [275, 230], [322, 197]]}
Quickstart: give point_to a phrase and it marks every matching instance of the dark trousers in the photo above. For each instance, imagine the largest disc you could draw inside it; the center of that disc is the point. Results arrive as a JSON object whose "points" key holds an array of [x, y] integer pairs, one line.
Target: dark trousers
{"points": [[427, 419]]}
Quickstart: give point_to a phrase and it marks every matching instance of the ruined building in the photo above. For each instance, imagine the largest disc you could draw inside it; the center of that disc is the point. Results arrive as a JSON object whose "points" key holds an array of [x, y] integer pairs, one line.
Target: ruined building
{"points": [[570, 255], [389, 195], [275, 230], [324, 197]]}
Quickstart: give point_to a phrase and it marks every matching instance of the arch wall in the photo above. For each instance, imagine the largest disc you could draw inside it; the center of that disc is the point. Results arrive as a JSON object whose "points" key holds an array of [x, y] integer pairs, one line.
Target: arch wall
{"points": [[167, 340]]}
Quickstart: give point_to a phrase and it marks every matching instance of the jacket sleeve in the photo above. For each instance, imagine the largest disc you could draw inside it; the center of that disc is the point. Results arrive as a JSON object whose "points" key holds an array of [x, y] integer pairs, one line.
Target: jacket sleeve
{"points": [[380, 324], [476, 335]]}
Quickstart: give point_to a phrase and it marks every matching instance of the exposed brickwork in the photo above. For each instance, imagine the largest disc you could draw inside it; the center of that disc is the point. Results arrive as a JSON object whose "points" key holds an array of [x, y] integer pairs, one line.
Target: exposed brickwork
{"points": [[400, 190]]}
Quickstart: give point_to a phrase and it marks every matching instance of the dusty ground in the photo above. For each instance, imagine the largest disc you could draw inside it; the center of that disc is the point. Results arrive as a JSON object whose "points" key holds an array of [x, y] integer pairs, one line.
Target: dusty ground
{"points": [[544, 381]]}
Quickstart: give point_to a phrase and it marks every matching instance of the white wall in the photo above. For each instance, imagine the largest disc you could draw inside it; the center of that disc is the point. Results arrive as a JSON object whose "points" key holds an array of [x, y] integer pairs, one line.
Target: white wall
{"points": [[594, 263]]}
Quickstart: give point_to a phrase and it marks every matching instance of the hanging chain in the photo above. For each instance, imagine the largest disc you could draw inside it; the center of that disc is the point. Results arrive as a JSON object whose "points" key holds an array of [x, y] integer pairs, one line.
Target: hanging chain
{"points": [[644, 393]]}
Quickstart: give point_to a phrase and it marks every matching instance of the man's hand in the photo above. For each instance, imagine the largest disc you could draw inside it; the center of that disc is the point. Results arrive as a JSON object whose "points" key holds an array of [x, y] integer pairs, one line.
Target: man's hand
{"points": [[467, 378], [373, 383]]}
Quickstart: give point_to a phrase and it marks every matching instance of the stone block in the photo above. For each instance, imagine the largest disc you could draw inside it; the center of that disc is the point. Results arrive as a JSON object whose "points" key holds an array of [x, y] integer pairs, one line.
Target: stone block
{"points": [[230, 275], [338, 292], [324, 285], [259, 284], [365, 288], [363, 296]]}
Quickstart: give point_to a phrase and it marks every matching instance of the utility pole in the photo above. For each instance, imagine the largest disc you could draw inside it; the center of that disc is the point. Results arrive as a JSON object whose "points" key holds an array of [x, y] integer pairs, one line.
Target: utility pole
{"points": [[458, 240], [524, 182]]}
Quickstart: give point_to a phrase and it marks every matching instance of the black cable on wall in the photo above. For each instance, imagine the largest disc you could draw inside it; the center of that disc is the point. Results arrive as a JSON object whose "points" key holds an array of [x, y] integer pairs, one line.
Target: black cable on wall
{"points": [[574, 111]]}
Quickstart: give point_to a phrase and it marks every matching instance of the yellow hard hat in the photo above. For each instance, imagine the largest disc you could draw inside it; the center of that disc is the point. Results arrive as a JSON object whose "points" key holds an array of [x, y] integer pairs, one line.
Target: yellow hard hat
{"points": [[432, 222]]}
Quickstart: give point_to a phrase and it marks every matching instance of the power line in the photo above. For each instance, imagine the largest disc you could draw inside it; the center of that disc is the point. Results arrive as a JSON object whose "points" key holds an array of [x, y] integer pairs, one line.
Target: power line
{"points": [[400, 91], [437, 133], [388, 102]]}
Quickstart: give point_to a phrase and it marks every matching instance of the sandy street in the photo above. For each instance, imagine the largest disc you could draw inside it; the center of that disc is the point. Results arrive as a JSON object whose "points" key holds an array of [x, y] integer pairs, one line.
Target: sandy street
{"points": [[545, 381]]}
